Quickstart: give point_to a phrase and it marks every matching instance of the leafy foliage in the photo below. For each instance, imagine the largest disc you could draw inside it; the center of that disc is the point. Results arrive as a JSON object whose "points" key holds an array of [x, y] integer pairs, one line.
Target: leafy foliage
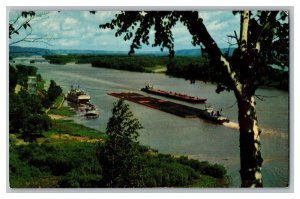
{"points": [[30, 164], [19, 74], [25, 115], [14, 29], [119, 155], [53, 91], [57, 165], [216, 170]]}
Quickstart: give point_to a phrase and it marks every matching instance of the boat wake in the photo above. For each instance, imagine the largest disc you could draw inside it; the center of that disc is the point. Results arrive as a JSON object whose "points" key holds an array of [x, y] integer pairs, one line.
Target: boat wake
{"points": [[265, 131], [232, 125], [275, 132]]}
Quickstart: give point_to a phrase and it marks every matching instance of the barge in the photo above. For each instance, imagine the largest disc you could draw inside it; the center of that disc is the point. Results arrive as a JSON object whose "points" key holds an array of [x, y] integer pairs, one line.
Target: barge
{"points": [[172, 107], [174, 95]]}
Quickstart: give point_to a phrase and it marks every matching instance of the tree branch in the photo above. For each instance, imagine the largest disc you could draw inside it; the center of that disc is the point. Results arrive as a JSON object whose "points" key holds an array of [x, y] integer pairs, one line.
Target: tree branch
{"points": [[265, 28], [22, 21]]}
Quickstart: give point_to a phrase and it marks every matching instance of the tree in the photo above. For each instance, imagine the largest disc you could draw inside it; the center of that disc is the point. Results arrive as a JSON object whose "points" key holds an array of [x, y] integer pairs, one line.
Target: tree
{"points": [[53, 91], [13, 78], [17, 113], [34, 125], [119, 156], [23, 72], [25, 115], [263, 41]]}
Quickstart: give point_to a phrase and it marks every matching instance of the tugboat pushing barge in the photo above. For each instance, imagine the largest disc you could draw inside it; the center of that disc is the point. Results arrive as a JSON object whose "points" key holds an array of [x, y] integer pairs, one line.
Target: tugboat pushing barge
{"points": [[173, 108], [178, 96], [214, 116]]}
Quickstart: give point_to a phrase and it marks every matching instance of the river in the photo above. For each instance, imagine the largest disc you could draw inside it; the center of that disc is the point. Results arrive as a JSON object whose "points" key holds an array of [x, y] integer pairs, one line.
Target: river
{"points": [[195, 138]]}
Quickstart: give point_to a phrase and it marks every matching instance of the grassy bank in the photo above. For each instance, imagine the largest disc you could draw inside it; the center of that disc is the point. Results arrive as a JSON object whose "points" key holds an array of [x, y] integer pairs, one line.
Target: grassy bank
{"points": [[74, 164], [63, 111], [58, 102], [65, 156], [71, 128]]}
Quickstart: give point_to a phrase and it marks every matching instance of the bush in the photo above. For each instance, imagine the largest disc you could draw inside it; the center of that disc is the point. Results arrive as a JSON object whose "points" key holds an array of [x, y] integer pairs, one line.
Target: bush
{"points": [[215, 170], [75, 179], [75, 165], [164, 171]]}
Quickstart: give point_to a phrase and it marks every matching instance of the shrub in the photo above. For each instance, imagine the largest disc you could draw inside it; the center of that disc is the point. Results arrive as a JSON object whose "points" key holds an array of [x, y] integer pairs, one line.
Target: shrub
{"points": [[75, 165]]}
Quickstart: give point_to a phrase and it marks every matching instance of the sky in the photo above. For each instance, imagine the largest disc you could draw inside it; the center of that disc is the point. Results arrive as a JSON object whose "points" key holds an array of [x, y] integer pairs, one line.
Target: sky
{"points": [[79, 30]]}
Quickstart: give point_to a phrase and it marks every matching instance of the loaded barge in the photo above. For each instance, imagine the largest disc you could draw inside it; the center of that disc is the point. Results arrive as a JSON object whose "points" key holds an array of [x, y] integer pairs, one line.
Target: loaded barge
{"points": [[174, 95], [172, 107]]}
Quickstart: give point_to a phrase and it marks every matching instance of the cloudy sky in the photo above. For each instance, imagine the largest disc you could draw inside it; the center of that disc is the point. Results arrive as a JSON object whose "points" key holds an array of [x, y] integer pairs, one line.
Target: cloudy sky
{"points": [[80, 30]]}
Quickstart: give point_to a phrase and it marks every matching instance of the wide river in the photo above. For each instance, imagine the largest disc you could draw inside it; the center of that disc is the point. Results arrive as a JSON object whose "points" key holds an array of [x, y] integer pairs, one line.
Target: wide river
{"points": [[195, 138]]}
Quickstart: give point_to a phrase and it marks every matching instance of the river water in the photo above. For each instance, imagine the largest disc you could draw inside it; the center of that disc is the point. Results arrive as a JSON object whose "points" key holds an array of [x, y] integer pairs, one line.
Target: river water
{"points": [[195, 138]]}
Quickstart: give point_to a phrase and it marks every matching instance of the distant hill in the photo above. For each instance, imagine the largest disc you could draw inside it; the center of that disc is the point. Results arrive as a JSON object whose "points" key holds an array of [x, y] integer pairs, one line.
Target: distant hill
{"points": [[188, 52], [28, 51], [21, 51], [197, 52]]}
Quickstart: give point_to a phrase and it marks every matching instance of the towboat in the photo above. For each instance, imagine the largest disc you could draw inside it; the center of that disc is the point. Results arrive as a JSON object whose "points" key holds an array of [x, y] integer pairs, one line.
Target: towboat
{"points": [[174, 95], [210, 114]]}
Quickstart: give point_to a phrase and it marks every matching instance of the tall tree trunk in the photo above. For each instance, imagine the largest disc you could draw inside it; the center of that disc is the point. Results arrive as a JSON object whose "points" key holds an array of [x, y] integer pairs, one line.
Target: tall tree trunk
{"points": [[245, 16], [250, 155]]}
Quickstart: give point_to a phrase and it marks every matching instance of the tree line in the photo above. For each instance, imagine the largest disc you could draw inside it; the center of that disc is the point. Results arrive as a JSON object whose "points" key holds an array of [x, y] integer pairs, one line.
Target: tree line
{"points": [[190, 68]]}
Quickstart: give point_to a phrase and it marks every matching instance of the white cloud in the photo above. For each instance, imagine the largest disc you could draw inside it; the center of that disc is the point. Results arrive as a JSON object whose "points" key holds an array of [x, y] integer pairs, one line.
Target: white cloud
{"points": [[68, 43], [99, 16], [69, 23], [49, 24], [216, 25]]}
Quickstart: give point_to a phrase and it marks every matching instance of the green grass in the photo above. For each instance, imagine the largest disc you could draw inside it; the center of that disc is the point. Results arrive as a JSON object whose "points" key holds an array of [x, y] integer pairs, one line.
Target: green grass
{"points": [[63, 111], [72, 128], [58, 101], [207, 181]]}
